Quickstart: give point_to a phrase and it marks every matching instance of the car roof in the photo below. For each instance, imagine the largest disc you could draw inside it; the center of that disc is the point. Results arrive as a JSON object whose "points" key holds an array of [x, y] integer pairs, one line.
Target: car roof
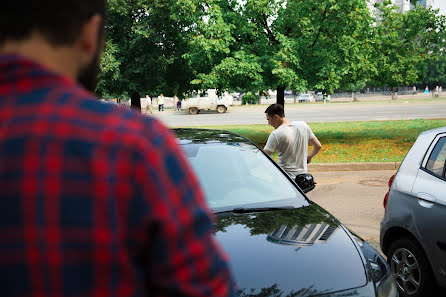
{"points": [[434, 132], [203, 136]]}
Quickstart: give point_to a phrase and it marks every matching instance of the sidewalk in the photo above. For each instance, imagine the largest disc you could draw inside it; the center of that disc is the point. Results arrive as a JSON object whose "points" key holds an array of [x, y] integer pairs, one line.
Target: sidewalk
{"points": [[360, 166], [355, 198]]}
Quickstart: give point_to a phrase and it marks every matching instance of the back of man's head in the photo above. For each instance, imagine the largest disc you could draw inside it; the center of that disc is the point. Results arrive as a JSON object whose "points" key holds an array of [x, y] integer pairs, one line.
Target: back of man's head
{"points": [[275, 109], [59, 21]]}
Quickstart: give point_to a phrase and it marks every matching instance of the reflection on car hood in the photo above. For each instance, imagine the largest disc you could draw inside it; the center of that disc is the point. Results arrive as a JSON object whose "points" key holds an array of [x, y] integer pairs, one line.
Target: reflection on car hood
{"points": [[187, 135], [301, 252]]}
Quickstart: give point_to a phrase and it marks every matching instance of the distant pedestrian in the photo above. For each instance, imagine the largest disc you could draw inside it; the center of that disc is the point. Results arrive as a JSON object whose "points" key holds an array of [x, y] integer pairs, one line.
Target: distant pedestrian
{"points": [[426, 90], [149, 105], [161, 102], [178, 104]]}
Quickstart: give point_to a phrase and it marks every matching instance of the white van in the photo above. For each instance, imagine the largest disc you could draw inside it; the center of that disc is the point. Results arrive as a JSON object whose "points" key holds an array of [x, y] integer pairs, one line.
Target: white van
{"points": [[207, 101]]}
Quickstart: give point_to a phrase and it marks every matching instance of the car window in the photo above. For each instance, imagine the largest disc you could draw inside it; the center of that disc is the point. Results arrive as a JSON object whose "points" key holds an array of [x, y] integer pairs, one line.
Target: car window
{"points": [[435, 163], [237, 174]]}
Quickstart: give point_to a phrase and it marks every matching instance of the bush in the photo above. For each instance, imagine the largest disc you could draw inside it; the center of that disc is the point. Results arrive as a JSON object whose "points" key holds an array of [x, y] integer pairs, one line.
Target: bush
{"points": [[250, 98]]}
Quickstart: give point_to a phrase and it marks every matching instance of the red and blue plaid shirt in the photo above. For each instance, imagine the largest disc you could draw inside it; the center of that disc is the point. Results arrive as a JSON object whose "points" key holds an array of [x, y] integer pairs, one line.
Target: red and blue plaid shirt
{"points": [[96, 200]]}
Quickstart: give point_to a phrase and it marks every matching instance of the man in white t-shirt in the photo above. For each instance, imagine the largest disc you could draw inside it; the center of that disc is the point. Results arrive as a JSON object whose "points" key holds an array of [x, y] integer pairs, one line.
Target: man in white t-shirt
{"points": [[147, 105], [290, 140]]}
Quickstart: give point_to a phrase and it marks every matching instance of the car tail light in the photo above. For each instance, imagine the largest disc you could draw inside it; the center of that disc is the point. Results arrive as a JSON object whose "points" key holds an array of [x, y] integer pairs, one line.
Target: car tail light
{"points": [[386, 197], [391, 179]]}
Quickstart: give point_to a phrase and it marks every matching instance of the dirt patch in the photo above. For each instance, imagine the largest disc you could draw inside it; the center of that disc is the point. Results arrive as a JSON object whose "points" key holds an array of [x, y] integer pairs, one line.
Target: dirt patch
{"points": [[373, 182]]}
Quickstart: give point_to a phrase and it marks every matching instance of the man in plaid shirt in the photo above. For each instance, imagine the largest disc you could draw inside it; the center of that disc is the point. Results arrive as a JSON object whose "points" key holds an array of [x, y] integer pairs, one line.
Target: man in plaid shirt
{"points": [[95, 200]]}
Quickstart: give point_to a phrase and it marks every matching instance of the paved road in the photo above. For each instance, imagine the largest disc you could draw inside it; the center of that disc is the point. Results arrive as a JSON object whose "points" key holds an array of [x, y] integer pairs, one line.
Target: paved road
{"points": [[332, 112]]}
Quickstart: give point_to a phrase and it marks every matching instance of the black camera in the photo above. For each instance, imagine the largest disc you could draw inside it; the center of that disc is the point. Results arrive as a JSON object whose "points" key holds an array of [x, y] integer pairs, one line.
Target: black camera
{"points": [[305, 181]]}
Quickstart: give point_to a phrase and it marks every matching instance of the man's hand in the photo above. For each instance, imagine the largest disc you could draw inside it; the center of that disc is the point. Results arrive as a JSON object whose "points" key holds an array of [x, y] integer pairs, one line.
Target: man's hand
{"points": [[309, 159], [316, 148]]}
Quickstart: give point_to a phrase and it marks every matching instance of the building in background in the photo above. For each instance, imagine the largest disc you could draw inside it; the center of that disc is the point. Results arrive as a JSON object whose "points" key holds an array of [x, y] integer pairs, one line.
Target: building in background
{"points": [[406, 5]]}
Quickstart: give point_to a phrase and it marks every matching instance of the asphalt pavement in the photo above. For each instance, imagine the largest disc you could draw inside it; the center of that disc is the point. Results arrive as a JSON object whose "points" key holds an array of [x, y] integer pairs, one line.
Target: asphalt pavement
{"points": [[314, 112]]}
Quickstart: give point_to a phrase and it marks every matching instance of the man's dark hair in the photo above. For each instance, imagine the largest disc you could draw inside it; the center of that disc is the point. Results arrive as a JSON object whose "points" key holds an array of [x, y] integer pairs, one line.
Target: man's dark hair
{"points": [[275, 109], [59, 21]]}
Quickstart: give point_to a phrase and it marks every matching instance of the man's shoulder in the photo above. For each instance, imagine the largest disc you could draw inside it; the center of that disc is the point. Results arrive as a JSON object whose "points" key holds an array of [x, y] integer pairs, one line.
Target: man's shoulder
{"points": [[299, 123]]}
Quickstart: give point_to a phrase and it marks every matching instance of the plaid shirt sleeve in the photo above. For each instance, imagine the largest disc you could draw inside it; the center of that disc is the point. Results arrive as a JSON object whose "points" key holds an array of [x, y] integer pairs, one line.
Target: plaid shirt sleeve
{"points": [[96, 200], [181, 256]]}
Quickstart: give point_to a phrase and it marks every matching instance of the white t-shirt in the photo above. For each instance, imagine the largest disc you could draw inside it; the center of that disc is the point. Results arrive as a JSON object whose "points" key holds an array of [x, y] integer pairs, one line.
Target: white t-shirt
{"points": [[144, 102], [291, 142]]}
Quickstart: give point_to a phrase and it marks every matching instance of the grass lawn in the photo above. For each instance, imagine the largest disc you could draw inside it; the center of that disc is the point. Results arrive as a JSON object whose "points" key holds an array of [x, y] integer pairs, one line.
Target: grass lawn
{"points": [[377, 141]]}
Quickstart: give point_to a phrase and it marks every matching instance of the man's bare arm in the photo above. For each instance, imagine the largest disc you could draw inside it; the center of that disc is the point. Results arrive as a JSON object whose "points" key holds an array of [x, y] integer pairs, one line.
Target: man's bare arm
{"points": [[268, 152], [315, 143]]}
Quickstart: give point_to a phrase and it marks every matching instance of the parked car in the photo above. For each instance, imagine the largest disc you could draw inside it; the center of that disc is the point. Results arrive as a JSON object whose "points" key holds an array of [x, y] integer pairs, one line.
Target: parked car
{"points": [[413, 228], [109, 101], [288, 93], [305, 98], [237, 96], [207, 101], [320, 97], [280, 243]]}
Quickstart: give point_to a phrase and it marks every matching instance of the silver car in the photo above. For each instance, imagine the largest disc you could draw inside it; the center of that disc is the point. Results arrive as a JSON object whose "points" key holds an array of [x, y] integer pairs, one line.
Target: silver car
{"points": [[305, 98], [413, 230]]}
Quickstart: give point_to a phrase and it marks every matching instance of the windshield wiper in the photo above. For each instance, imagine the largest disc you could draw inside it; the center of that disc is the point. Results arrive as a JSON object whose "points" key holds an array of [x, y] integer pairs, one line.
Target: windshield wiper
{"points": [[255, 209]]}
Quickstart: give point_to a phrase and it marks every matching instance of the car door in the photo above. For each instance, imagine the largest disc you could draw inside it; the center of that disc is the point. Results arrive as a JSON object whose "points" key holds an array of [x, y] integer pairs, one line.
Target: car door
{"points": [[430, 212]]}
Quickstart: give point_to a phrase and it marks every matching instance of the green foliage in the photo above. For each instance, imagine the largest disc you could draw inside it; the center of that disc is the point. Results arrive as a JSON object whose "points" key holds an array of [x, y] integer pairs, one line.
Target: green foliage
{"points": [[435, 70], [404, 43], [259, 45], [250, 98], [177, 46], [146, 42]]}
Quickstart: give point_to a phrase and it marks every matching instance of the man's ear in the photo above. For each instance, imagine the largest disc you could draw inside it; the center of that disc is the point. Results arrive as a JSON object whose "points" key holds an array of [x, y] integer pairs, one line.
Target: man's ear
{"points": [[89, 40]]}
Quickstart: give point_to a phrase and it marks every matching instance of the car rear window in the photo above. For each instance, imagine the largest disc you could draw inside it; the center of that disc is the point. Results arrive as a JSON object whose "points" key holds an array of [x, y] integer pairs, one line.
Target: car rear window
{"points": [[436, 161]]}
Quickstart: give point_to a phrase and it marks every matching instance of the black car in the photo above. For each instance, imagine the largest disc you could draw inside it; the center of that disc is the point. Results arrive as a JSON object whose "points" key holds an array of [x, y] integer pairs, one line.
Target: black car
{"points": [[280, 243]]}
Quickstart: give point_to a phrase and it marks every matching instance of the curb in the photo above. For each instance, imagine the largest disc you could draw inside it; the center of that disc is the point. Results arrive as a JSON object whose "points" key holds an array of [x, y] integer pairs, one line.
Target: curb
{"points": [[361, 166]]}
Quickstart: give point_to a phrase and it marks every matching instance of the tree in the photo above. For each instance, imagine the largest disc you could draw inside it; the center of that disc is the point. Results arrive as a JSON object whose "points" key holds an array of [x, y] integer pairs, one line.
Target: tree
{"points": [[404, 43], [435, 70], [275, 44], [144, 50]]}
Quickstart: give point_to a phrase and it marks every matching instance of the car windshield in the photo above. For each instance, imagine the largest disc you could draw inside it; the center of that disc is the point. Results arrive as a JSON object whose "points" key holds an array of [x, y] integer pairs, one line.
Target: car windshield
{"points": [[239, 175]]}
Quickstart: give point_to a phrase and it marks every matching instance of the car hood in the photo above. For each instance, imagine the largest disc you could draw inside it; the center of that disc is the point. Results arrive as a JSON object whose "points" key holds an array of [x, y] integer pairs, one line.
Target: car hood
{"points": [[296, 252]]}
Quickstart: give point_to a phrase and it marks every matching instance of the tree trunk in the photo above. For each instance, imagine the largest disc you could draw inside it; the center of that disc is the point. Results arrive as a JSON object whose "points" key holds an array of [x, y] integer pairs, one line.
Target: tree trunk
{"points": [[355, 96], [281, 96], [135, 101]]}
